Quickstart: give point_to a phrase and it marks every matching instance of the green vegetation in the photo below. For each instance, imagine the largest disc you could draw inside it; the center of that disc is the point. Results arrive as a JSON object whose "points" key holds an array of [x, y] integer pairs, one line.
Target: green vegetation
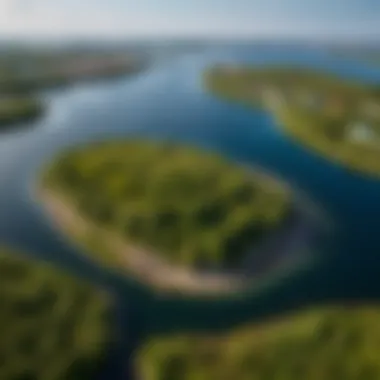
{"points": [[191, 206], [19, 109], [329, 344], [23, 73], [337, 118], [51, 325]]}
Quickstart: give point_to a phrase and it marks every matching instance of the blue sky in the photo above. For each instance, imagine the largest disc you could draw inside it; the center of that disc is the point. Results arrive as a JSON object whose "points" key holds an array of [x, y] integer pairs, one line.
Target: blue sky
{"points": [[235, 18]]}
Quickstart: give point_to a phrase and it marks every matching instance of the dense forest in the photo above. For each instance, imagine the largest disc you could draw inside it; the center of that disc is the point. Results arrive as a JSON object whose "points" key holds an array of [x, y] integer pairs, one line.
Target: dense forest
{"points": [[52, 326], [329, 344], [192, 206], [337, 118]]}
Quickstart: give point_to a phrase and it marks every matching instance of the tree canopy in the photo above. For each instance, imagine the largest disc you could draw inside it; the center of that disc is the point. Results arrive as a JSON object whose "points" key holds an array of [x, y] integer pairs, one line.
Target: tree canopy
{"points": [[330, 344], [189, 205], [52, 326]]}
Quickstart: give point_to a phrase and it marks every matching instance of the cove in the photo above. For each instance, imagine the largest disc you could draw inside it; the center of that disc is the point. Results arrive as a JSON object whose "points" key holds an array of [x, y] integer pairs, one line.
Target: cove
{"points": [[168, 101]]}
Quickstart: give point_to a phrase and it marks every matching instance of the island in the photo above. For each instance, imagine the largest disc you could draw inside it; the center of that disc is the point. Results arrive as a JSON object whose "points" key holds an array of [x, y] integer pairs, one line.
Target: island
{"points": [[52, 326], [330, 343], [23, 74], [163, 212], [336, 118]]}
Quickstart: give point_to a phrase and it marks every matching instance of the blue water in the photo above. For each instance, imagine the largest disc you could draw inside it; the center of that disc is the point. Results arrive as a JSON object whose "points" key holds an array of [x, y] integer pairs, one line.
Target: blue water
{"points": [[168, 102]]}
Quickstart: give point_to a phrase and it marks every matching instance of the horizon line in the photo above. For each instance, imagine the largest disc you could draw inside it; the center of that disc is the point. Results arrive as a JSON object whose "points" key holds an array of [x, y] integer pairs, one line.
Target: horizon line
{"points": [[193, 37]]}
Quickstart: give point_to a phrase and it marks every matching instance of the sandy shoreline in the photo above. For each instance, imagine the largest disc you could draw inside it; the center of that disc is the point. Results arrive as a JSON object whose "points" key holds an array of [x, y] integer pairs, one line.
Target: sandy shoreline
{"points": [[149, 268], [140, 263]]}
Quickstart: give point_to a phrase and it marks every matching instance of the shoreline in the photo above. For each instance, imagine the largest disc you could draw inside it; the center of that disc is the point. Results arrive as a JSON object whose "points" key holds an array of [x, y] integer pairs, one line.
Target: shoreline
{"points": [[319, 148], [347, 155], [148, 269], [40, 109], [156, 273]]}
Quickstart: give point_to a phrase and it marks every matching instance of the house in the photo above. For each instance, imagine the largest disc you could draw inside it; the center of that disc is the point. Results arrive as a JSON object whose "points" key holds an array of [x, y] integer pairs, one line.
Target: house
{"points": [[361, 132]]}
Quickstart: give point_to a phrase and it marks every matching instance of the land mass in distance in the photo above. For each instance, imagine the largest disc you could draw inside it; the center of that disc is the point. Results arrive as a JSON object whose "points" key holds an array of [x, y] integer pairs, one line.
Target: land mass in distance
{"points": [[23, 74], [337, 118]]}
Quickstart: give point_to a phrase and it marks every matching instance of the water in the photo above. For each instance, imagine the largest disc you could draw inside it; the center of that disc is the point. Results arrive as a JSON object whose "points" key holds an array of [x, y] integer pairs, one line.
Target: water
{"points": [[168, 102]]}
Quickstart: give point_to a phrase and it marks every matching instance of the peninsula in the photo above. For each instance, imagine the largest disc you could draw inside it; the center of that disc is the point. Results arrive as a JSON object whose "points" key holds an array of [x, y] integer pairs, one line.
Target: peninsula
{"points": [[336, 118], [52, 325], [24, 74], [161, 211]]}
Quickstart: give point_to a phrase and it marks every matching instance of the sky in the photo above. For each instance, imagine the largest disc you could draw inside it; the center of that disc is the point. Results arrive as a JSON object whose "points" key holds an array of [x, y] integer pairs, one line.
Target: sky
{"points": [[325, 19]]}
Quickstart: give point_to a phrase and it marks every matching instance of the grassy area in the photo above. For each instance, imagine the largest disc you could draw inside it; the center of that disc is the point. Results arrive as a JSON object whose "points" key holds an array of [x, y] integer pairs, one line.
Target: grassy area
{"points": [[191, 206], [336, 118], [329, 344], [18, 109], [52, 326]]}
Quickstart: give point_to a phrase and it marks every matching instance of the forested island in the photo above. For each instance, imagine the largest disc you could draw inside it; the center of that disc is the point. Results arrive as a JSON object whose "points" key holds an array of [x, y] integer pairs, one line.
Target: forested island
{"points": [[331, 343], [24, 73], [52, 326], [339, 119], [160, 210]]}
